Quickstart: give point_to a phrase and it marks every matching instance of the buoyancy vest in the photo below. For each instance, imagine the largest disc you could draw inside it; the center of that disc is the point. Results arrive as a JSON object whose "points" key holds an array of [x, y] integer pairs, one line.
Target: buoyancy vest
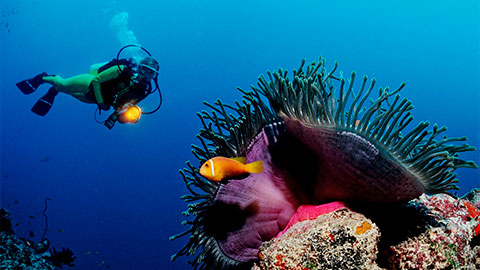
{"points": [[113, 90]]}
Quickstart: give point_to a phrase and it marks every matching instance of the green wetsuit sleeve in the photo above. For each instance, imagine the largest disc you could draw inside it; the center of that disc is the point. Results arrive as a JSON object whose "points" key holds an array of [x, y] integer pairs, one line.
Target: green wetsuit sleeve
{"points": [[104, 76]]}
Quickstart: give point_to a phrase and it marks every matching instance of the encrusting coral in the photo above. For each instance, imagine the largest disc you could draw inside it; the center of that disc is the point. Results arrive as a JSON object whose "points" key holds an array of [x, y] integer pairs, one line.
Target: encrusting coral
{"points": [[320, 141], [338, 240], [447, 241], [443, 238], [18, 253]]}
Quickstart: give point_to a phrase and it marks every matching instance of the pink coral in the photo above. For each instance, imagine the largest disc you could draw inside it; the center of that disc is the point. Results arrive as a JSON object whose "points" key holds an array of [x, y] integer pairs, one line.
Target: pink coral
{"points": [[309, 212]]}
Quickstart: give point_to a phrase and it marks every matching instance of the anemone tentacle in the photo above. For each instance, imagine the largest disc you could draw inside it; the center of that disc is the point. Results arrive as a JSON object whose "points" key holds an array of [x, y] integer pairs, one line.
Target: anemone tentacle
{"points": [[315, 97]]}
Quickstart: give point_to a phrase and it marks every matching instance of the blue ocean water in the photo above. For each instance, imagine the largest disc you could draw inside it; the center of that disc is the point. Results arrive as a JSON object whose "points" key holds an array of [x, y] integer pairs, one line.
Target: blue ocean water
{"points": [[116, 193]]}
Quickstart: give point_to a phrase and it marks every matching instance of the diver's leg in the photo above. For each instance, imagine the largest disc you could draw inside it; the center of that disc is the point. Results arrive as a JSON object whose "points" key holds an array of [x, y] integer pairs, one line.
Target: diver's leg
{"points": [[76, 86]]}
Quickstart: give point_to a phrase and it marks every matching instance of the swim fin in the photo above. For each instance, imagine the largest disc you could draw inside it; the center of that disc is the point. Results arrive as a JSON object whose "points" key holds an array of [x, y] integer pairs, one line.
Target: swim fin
{"points": [[44, 104], [29, 86]]}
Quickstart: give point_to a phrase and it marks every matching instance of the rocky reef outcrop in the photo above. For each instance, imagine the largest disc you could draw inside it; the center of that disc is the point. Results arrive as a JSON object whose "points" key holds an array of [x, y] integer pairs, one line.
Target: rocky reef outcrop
{"points": [[431, 232], [23, 254]]}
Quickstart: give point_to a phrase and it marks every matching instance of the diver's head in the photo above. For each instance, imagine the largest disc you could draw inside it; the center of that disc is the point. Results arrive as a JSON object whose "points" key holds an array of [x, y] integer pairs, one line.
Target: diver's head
{"points": [[148, 68]]}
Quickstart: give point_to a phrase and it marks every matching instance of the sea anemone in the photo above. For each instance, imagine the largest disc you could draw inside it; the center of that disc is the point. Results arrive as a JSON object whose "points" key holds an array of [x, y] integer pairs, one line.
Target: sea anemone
{"points": [[320, 141]]}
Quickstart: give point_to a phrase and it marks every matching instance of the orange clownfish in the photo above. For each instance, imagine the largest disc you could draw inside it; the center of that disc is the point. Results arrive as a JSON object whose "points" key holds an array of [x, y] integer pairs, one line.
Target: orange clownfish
{"points": [[220, 168]]}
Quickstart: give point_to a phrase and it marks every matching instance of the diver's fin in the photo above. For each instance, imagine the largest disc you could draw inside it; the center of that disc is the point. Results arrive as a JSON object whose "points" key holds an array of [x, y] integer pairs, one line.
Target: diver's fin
{"points": [[255, 167], [29, 86], [44, 104]]}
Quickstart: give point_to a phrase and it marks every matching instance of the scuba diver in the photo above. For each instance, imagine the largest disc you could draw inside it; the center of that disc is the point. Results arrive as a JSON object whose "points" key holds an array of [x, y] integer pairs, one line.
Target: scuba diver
{"points": [[120, 83]]}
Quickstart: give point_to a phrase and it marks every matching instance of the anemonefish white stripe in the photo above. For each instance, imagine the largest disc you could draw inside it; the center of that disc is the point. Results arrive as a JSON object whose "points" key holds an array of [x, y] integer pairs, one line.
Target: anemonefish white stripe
{"points": [[213, 170]]}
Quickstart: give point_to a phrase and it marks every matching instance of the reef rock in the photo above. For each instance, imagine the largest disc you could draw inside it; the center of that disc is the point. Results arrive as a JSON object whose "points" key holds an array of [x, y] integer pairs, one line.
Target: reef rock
{"points": [[431, 232], [341, 239], [15, 254], [448, 239]]}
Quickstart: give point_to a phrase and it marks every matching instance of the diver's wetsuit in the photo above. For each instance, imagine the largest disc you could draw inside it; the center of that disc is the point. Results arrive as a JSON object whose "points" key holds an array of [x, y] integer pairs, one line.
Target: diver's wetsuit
{"points": [[102, 87]]}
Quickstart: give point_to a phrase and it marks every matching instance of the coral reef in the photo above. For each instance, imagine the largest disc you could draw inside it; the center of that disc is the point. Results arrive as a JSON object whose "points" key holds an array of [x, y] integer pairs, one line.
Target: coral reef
{"points": [[443, 238], [447, 241], [22, 254], [16, 255]]}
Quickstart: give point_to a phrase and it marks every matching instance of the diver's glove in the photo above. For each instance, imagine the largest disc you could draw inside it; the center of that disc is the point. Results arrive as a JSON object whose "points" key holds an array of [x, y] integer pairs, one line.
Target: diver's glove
{"points": [[103, 106]]}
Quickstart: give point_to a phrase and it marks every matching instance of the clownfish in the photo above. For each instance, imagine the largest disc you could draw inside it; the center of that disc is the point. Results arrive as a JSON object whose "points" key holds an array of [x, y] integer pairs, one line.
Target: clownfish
{"points": [[220, 168]]}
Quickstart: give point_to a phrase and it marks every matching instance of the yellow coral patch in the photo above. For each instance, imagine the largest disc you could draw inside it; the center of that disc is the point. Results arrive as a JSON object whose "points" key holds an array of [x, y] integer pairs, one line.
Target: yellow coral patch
{"points": [[363, 228]]}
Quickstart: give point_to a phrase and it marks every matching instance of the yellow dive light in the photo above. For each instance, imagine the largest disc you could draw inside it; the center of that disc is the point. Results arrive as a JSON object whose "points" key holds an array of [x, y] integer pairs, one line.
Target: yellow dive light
{"points": [[130, 113]]}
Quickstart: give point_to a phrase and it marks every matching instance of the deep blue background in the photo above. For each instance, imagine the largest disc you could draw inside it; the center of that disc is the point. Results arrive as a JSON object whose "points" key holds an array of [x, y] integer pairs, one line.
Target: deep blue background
{"points": [[116, 192]]}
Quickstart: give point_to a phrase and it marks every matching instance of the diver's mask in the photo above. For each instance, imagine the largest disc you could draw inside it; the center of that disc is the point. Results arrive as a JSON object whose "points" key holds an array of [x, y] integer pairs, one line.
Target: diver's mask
{"points": [[147, 72]]}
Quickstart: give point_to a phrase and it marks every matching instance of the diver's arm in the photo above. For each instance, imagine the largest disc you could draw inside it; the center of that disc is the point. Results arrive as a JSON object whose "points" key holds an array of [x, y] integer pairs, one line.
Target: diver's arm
{"points": [[106, 75]]}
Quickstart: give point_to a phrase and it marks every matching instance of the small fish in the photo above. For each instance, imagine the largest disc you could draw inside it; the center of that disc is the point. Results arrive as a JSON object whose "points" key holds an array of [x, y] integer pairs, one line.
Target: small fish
{"points": [[101, 263], [87, 253], [474, 213], [472, 209], [32, 217], [45, 159], [220, 168], [31, 233], [29, 243], [61, 230]]}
